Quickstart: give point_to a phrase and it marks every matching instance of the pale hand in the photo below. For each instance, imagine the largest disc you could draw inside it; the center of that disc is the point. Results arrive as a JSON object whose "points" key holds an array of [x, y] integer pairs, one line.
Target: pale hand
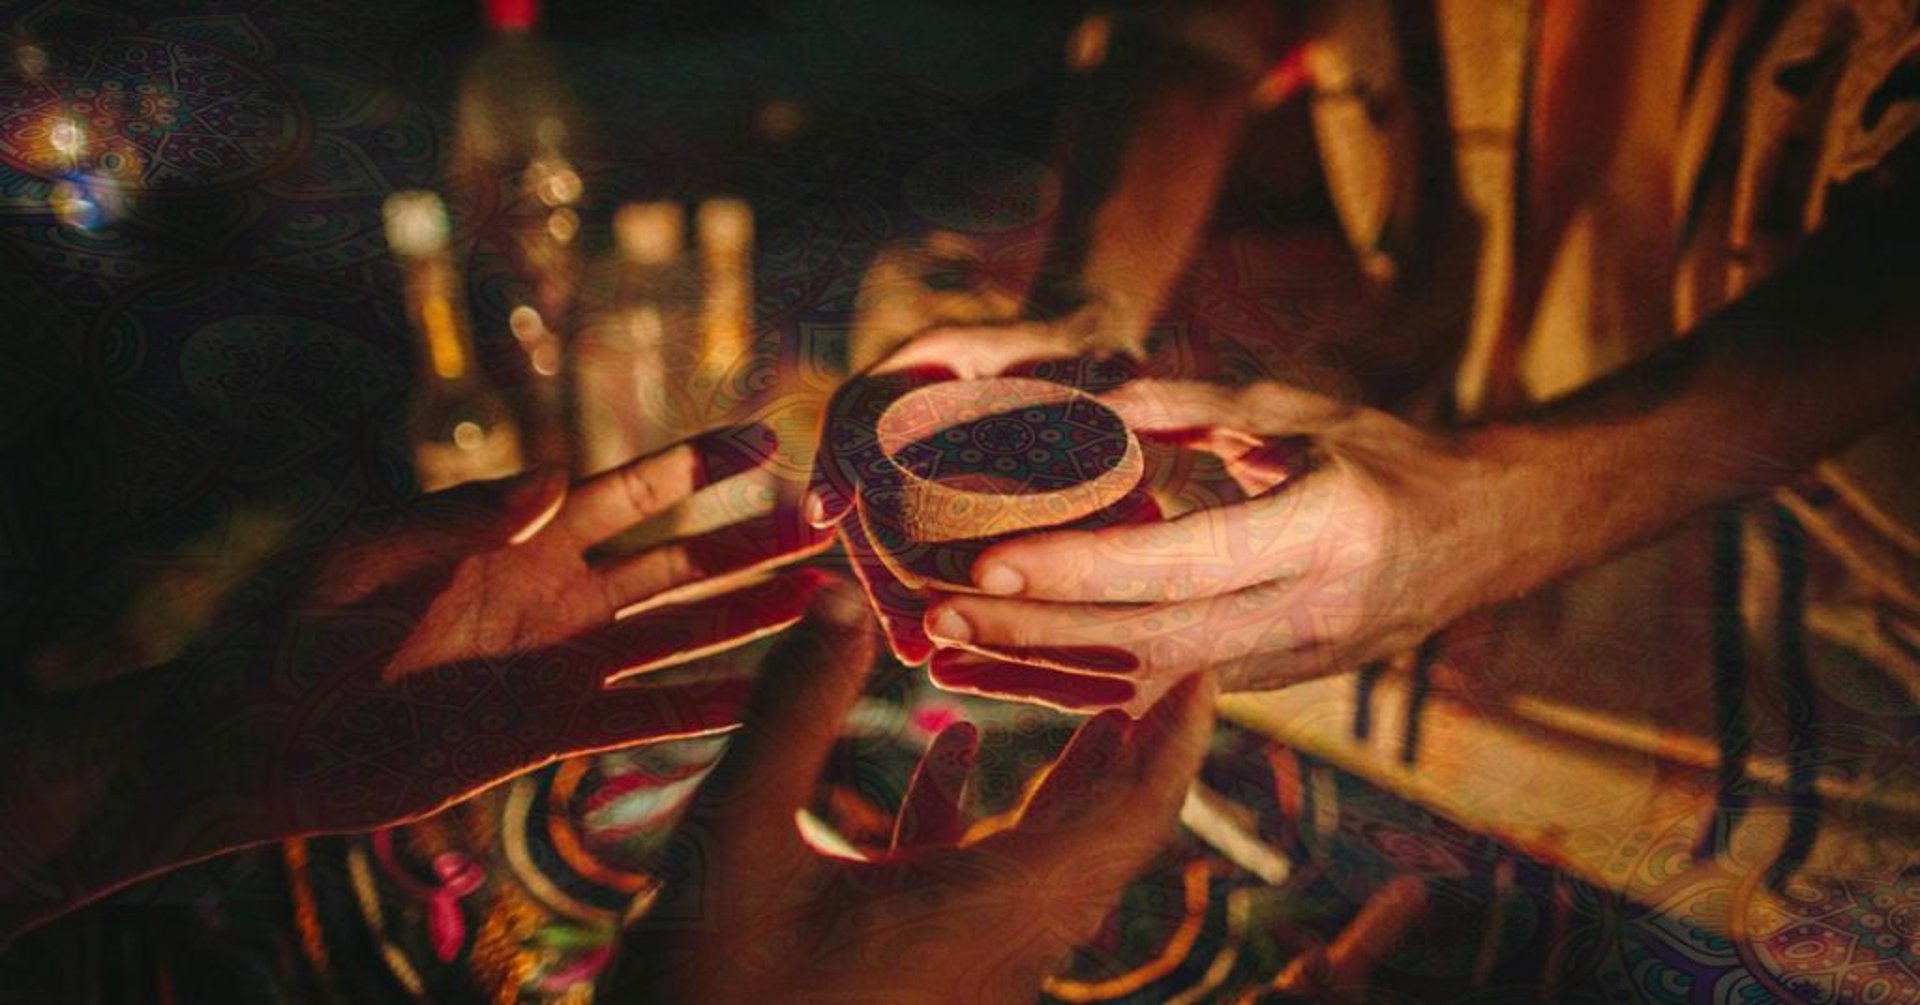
{"points": [[1356, 536], [849, 452]]}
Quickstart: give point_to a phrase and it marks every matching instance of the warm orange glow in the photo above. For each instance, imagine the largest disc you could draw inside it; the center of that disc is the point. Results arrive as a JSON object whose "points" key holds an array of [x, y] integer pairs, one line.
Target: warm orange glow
{"points": [[554, 182], [526, 323], [444, 349], [67, 137], [562, 224], [725, 231], [416, 223], [1087, 49], [650, 233]]}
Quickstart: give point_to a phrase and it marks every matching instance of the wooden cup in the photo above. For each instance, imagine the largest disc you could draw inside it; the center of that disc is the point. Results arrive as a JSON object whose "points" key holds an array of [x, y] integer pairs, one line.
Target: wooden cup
{"points": [[973, 462]]}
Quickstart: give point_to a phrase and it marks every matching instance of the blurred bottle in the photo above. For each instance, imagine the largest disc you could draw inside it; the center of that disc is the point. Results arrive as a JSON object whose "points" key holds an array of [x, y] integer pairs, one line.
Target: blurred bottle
{"points": [[725, 372], [513, 108], [458, 423], [514, 117], [541, 227], [628, 402]]}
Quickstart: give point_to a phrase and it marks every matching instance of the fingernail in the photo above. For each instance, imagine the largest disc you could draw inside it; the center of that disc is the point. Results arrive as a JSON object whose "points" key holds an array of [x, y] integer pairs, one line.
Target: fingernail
{"points": [[734, 450], [947, 625], [1001, 580], [815, 510]]}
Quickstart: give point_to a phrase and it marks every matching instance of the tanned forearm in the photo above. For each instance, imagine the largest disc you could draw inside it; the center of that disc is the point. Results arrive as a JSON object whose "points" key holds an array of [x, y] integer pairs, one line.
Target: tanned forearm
{"points": [[1145, 158], [1813, 358]]}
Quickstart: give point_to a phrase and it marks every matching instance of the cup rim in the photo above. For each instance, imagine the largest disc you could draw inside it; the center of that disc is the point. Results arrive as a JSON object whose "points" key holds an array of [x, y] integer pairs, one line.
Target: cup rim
{"points": [[931, 512]]}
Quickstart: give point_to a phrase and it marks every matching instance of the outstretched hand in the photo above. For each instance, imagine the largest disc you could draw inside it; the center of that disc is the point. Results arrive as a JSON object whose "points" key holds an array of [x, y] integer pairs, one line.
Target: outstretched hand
{"points": [[1355, 536], [850, 459], [749, 912], [474, 636], [1345, 536]]}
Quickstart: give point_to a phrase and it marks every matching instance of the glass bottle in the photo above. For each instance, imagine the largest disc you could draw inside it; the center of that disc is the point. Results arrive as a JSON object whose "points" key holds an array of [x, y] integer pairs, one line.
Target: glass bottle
{"points": [[458, 422]]}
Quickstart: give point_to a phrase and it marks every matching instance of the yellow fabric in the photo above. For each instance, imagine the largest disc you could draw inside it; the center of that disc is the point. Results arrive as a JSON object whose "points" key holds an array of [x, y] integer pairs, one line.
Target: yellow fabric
{"points": [[1591, 142], [1634, 165]]}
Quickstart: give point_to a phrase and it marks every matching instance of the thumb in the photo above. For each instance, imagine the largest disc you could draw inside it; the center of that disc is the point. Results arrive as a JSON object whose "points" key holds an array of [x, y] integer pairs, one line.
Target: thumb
{"points": [[1099, 819], [808, 684], [930, 814], [1096, 820]]}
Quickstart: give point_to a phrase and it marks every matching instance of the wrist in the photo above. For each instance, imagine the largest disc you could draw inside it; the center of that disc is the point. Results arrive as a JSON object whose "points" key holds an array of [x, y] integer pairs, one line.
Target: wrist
{"points": [[1539, 506], [1566, 497]]}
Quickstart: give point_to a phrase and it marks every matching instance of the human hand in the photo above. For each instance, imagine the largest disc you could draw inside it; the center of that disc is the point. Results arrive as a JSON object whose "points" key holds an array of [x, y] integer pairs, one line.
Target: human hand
{"points": [[472, 637], [1383, 536], [850, 464], [750, 913]]}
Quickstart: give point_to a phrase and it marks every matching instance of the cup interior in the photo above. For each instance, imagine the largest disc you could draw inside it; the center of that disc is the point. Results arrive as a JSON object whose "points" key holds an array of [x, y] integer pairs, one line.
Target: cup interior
{"points": [[1010, 436]]}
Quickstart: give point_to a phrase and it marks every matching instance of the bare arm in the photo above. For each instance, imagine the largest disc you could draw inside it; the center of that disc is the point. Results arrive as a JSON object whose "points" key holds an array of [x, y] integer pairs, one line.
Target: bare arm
{"points": [[1396, 530], [1809, 361], [438, 651], [1144, 155]]}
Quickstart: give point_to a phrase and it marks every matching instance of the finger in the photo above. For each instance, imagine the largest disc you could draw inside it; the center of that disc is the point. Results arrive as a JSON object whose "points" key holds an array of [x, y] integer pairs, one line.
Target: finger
{"points": [[1093, 761], [1098, 660], [830, 492], [552, 702], [1238, 633], [849, 455], [1265, 409], [1161, 754], [899, 607], [670, 636], [440, 528], [966, 672], [609, 503], [1281, 536], [930, 813], [732, 552], [975, 352], [808, 685], [1114, 828], [1171, 740]]}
